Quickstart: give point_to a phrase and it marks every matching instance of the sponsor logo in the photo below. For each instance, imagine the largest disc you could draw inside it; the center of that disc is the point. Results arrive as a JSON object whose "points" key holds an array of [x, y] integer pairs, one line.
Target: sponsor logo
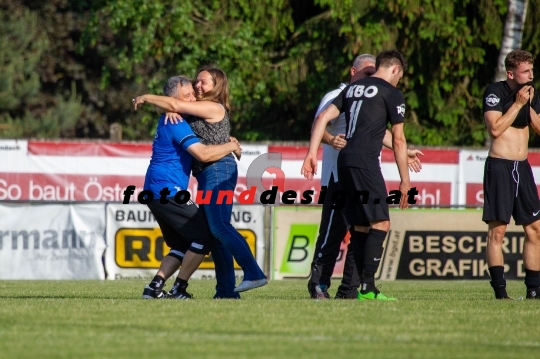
{"points": [[9, 148], [492, 100], [401, 110], [535, 213], [46, 239], [146, 248], [358, 91], [477, 158], [455, 254], [251, 153]]}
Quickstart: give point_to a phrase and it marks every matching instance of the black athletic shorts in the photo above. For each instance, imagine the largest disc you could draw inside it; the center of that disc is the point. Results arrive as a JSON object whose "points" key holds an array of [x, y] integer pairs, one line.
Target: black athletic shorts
{"points": [[509, 190], [371, 182], [184, 226]]}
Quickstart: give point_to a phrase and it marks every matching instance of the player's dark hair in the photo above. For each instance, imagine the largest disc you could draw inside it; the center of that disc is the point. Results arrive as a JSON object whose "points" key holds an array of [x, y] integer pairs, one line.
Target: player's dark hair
{"points": [[516, 58], [171, 86], [389, 58]]}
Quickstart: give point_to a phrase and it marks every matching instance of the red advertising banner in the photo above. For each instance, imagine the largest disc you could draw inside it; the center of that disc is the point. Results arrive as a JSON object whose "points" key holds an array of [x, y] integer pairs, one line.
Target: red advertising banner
{"points": [[94, 171]]}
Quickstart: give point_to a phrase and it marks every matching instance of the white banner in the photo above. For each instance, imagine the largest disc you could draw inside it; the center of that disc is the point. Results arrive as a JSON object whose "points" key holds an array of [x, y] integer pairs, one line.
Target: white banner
{"points": [[52, 241], [471, 175], [135, 245]]}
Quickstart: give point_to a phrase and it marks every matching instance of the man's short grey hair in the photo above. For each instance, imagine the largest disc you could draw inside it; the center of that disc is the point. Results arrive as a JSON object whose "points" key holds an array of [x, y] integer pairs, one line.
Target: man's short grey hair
{"points": [[171, 87], [361, 59]]}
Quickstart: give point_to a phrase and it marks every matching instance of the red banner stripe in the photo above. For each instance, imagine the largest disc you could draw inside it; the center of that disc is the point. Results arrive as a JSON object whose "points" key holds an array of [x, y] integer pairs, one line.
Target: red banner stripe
{"points": [[294, 152], [430, 156], [50, 148]]}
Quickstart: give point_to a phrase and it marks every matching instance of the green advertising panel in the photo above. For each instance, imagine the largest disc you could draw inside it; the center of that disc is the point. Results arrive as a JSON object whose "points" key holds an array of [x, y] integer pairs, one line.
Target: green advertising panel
{"points": [[299, 248]]}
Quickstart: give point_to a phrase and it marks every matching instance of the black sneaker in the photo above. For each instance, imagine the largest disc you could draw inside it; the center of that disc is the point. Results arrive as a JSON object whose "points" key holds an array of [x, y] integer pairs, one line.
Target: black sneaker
{"points": [[499, 287], [178, 292], [533, 293], [353, 294], [153, 293]]}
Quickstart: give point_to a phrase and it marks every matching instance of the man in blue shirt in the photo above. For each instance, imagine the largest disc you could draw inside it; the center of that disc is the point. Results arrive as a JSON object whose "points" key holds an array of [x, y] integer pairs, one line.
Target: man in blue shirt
{"points": [[184, 227]]}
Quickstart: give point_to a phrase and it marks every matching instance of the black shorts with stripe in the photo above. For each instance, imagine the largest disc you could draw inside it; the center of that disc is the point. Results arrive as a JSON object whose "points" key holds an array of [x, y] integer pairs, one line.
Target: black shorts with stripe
{"points": [[366, 195], [509, 190], [184, 226]]}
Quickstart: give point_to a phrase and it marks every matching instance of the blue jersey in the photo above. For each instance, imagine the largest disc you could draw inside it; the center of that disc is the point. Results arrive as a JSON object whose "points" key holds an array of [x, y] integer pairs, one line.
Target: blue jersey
{"points": [[170, 165]]}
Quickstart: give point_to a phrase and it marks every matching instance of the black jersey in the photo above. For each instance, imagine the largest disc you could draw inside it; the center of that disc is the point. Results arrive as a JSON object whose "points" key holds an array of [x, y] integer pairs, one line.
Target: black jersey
{"points": [[499, 97], [369, 104]]}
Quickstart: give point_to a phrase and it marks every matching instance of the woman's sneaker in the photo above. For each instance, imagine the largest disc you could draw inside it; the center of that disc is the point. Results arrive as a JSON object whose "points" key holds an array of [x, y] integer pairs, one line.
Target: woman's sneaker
{"points": [[250, 284]]}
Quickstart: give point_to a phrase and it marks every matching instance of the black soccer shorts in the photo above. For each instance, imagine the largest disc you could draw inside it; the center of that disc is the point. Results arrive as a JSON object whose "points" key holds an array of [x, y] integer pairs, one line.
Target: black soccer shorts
{"points": [[509, 190], [353, 180], [184, 226]]}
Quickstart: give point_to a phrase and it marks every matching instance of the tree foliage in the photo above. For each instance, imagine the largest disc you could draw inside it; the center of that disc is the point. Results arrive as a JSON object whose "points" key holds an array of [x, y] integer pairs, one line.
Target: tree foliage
{"points": [[280, 56], [21, 110]]}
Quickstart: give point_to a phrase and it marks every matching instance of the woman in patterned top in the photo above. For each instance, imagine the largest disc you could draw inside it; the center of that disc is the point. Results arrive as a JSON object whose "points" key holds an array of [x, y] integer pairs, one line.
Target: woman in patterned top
{"points": [[210, 121]]}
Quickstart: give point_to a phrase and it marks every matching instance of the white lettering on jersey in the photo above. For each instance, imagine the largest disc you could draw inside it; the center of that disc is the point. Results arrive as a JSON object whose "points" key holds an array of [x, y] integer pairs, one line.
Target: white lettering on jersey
{"points": [[401, 109], [358, 91], [492, 100], [351, 91], [371, 91], [355, 109]]}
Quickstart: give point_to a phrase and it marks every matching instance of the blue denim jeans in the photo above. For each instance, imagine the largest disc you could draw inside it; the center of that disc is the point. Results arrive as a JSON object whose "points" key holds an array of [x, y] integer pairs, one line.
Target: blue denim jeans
{"points": [[222, 175]]}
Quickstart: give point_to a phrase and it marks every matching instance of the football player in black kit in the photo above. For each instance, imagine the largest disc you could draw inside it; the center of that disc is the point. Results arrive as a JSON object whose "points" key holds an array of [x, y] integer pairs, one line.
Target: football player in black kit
{"points": [[369, 105], [510, 106]]}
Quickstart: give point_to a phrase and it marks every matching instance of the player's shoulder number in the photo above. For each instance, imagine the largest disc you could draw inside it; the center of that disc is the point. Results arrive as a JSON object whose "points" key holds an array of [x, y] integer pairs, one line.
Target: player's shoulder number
{"points": [[358, 91]]}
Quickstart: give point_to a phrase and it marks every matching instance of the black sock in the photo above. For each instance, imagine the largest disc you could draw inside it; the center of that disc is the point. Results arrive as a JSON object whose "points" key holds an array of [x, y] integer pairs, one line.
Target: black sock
{"points": [[180, 283], [373, 250], [157, 282], [498, 283], [532, 279], [358, 243], [368, 282]]}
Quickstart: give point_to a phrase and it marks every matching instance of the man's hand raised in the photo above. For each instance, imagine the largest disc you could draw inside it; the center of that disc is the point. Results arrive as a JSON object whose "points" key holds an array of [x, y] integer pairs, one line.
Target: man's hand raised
{"points": [[523, 95]]}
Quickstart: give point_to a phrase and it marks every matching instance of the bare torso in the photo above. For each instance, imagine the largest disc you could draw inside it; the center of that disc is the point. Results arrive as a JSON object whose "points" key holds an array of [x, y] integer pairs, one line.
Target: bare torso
{"points": [[512, 144]]}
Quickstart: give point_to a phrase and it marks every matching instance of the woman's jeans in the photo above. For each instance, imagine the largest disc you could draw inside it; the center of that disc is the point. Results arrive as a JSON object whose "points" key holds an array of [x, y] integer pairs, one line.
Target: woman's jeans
{"points": [[222, 176]]}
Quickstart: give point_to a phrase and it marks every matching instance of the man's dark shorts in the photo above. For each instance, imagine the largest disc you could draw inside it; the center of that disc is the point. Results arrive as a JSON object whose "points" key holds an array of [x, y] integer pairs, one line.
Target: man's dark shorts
{"points": [[509, 190], [353, 179], [184, 226]]}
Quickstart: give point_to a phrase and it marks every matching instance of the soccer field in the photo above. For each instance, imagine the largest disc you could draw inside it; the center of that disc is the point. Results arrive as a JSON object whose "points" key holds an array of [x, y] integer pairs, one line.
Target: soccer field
{"points": [[107, 319]]}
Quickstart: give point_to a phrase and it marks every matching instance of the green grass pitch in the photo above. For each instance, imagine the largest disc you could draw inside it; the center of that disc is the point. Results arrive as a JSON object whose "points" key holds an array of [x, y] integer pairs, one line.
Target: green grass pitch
{"points": [[107, 319]]}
